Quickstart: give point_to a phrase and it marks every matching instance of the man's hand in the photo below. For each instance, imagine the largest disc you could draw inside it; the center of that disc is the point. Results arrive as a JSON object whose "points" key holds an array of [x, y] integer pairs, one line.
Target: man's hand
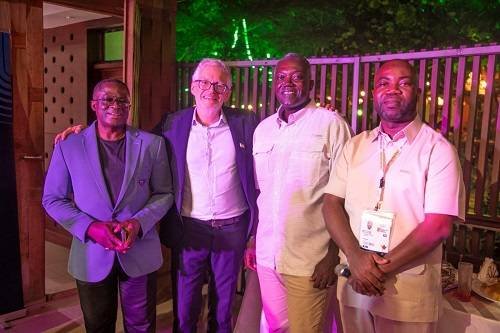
{"points": [[250, 258], [324, 273], [366, 277], [70, 130], [103, 234], [132, 229]]}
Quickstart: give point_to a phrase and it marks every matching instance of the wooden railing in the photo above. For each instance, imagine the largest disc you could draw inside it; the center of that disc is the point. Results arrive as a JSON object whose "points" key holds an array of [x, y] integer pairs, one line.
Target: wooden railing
{"points": [[472, 241], [459, 97]]}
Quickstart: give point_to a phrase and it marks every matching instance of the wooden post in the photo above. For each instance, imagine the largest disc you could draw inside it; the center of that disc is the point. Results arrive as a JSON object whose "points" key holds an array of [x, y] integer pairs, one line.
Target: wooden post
{"points": [[23, 20], [149, 60]]}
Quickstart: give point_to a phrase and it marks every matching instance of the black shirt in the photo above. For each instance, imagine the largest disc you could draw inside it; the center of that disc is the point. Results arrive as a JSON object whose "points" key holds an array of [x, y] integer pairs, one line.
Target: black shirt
{"points": [[112, 155]]}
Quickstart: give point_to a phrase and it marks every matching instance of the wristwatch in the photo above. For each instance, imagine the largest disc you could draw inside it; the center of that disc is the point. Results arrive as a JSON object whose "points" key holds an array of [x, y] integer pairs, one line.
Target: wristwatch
{"points": [[343, 270]]}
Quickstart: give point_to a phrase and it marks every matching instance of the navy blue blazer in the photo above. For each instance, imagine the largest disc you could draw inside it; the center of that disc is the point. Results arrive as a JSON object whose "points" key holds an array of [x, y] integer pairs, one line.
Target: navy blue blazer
{"points": [[175, 128]]}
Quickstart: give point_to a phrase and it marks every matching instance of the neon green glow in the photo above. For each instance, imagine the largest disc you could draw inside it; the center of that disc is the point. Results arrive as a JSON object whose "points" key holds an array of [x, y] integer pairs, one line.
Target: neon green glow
{"points": [[245, 36], [235, 37], [113, 45]]}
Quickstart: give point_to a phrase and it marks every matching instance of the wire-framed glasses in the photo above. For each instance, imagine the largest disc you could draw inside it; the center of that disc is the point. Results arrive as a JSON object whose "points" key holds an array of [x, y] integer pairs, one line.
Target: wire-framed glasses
{"points": [[219, 88]]}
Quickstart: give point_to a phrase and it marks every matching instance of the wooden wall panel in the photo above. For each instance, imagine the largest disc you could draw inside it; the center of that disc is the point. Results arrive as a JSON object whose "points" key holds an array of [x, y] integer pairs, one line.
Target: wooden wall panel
{"points": [[4, 16], [23, 19], [150, 24]]}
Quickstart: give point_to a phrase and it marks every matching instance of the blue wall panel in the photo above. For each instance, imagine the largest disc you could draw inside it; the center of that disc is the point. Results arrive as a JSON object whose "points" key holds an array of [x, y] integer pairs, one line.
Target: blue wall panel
{"points": [[11, 295]]}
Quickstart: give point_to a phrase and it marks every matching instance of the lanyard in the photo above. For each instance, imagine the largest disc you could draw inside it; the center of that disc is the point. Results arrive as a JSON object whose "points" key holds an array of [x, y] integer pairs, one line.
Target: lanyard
{"points": [[384, 168]]}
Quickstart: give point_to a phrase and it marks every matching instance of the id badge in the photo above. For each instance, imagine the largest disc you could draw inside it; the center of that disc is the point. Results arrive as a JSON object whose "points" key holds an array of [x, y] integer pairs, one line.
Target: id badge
{"points": [[375, 230]]}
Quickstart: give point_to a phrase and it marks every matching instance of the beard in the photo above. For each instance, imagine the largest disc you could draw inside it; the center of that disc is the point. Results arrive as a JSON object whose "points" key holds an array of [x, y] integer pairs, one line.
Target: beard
{"points": [[397, 112]]}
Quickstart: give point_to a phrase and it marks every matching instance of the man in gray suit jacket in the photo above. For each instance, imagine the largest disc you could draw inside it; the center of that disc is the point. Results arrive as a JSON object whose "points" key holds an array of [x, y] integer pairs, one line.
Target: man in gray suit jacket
{"points": [[108, 186]]}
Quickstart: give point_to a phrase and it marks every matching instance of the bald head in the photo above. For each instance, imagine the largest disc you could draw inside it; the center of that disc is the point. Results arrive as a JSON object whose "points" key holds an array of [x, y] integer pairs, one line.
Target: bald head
{"points": [[399, 63]]}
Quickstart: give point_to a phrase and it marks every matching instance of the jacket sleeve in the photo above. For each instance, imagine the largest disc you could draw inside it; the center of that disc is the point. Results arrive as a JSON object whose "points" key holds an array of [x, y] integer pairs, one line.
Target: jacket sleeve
{"points": [[57, 198]]}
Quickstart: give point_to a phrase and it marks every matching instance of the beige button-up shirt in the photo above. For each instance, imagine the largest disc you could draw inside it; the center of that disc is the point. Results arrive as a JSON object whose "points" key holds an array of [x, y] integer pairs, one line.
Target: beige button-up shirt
{"points": [[212, 188], [292, 165], [425, 178]]}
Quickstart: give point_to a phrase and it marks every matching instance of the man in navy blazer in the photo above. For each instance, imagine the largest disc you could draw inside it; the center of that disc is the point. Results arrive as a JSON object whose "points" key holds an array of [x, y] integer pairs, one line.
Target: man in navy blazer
{"points": [[215, 214], [108, 186]]}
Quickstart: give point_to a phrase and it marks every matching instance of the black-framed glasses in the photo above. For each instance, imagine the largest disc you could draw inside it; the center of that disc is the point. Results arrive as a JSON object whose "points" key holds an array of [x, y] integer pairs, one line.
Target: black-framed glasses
{"points": [[110, 100], [219, 88]]}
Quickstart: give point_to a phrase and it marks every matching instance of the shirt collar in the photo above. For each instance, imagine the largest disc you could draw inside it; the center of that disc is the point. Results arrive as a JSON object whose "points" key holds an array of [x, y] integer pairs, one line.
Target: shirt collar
{"points": [[409, 132], [296, 116], [222, 120]]}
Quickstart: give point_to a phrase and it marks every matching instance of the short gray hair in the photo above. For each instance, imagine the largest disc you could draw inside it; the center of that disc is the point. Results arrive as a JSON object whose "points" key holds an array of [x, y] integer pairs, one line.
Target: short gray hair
{"points": [[213, 62]]}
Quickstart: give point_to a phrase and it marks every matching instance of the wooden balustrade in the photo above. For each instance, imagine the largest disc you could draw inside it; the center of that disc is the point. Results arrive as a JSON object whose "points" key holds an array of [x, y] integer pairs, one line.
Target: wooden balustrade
{"points": [[472, 241]]}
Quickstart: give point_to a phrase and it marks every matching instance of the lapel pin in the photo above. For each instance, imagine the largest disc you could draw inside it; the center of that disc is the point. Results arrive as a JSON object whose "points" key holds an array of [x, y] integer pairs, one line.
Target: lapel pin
{"points": [[242, 145]]}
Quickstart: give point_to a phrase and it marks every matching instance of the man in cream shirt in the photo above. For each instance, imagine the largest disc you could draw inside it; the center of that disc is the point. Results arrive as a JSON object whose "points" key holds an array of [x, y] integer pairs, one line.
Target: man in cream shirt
{"points": [[405, 168], [294, 151]]}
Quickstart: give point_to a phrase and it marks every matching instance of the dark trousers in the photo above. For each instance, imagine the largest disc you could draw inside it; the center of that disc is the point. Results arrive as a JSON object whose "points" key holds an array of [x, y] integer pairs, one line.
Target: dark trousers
{"points": [[218, 251], [99, 302]]}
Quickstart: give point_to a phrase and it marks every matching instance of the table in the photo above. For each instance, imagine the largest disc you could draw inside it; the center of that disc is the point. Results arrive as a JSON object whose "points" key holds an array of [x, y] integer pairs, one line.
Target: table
{"points": [[477, 316]]}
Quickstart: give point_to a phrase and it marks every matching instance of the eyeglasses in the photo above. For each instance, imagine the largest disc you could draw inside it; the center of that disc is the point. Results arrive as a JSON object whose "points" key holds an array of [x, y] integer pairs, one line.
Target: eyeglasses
{"points": [[110, 100], [219, 88]]}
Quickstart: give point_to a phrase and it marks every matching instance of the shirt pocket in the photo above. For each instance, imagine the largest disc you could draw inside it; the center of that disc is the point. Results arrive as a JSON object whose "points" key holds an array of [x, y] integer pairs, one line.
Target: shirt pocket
{"points": [[261, 156], [305, 163]]}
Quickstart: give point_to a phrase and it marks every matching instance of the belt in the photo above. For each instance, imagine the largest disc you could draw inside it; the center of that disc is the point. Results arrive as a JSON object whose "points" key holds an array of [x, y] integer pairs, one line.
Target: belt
{"points": [[217, 223]]}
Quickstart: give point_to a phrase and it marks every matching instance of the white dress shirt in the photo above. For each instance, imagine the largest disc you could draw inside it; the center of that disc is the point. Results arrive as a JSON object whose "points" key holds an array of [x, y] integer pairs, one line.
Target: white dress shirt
{"points": [[212, 187]]}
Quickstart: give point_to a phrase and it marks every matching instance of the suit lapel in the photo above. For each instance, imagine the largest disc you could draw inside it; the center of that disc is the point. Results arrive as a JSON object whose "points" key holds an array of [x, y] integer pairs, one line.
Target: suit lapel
{"points": [[237, 132], [236, 128], [92, 154], [180, 139], [133, 145]]}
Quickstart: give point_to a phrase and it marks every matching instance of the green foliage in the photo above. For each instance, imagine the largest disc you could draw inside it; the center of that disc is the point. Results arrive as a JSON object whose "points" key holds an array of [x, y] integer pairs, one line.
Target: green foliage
{"points": [[206, 28]]}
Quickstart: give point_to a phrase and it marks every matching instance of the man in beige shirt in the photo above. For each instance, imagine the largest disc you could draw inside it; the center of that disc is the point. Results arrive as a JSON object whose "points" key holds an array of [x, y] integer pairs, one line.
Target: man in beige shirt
{"points": [[403, 168], [294, 151]]}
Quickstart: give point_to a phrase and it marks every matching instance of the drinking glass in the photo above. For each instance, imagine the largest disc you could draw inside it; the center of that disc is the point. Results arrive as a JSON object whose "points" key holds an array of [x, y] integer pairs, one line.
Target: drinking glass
{"points": [[464, 281]]}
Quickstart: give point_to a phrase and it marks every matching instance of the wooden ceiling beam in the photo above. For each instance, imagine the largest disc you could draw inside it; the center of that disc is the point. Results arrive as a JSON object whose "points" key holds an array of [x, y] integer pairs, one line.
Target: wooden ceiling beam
{"points": [[110, 7]]}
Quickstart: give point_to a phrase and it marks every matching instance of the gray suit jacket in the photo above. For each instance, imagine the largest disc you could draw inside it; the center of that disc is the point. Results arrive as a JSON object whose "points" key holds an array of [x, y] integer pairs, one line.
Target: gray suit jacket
{"points": [[75, 195]]}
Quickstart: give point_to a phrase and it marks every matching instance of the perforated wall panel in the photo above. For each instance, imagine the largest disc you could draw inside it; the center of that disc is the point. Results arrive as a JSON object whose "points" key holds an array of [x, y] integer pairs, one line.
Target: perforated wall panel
{"points": [[65, 81]]}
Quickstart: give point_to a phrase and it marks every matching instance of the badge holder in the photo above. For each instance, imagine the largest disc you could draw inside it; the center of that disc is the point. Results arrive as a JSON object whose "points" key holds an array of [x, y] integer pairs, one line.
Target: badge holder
{"points": [[376, 225], [375, 231]]}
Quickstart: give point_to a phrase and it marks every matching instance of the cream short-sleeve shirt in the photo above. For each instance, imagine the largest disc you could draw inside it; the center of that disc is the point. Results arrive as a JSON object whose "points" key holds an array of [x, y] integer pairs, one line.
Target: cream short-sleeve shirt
{"points": [[293, 162], [426, 177]]}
